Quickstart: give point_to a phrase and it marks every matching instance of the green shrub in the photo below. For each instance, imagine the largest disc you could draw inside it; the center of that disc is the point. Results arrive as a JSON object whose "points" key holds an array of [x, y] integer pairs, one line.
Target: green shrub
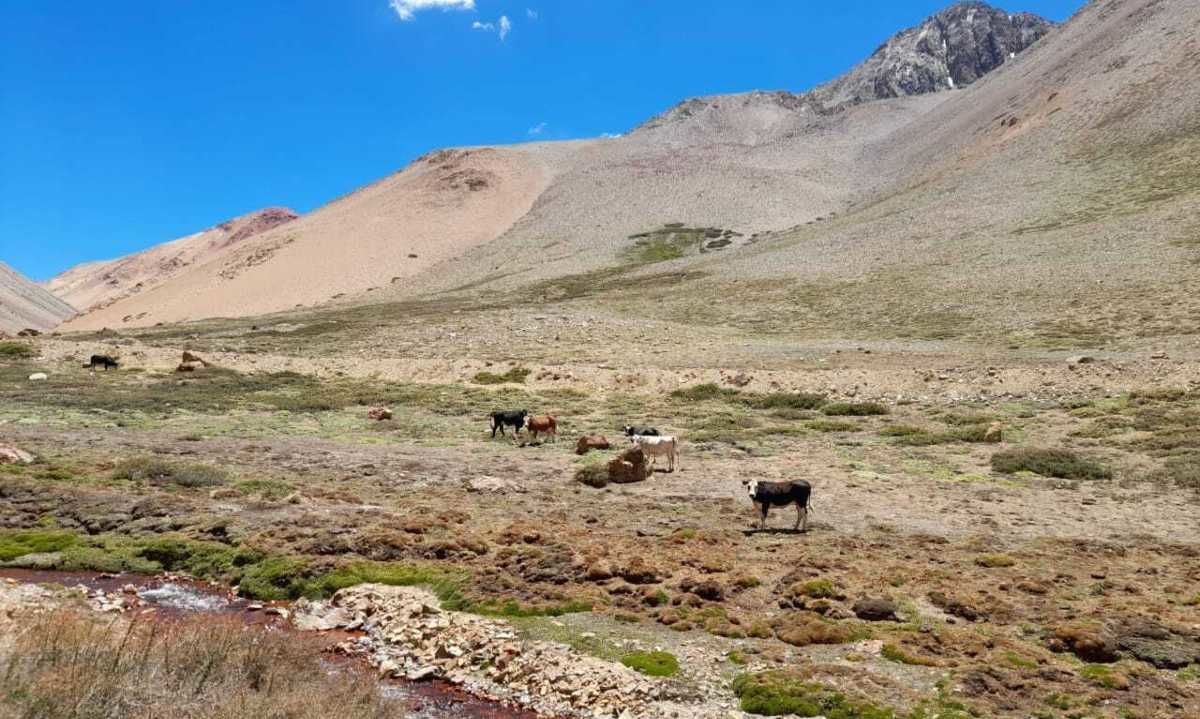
{"points": [[893, 653], [516, 375], [18, 544], [161, 471], [704, 393], [819, 589], [855, 409], [832, 425], [784, 400], [1060, 463], [1183, 471], [995, 561], [17, 351], [593, 475], [654, 664], [779, 693], [901, 430]]}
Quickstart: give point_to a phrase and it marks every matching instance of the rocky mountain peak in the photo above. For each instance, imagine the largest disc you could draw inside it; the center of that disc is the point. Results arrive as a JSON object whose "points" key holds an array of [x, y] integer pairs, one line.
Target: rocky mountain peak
{"points": [[950, 49], [953, 48]]}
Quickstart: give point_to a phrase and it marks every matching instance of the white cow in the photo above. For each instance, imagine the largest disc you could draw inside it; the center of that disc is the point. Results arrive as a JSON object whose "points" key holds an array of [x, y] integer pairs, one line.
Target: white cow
{"points": [[655, 447]]}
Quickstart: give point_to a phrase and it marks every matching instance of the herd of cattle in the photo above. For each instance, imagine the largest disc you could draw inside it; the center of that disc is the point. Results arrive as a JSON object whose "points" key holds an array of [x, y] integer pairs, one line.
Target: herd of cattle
{"points": [[764, 495], [654, 444]]}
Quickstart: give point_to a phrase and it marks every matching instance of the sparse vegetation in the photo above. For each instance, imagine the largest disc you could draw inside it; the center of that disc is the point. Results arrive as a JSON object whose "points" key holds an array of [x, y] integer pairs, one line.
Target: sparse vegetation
{"points": [[17, 351], [160, 471], [779, 693], [654, 664], [832, 425], [995, 561], [855, 409], [516, 375], [1061, 463], [66, 666]]}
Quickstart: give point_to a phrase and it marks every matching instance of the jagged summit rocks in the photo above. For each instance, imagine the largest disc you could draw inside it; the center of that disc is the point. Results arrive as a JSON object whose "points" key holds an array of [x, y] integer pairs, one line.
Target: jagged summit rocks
{"points": [[949, 50]]}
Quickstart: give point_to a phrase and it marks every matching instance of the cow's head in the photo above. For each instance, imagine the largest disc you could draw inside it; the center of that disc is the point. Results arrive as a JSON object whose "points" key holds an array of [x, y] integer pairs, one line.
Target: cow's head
{"points": [[751, 487], [628, 430]]}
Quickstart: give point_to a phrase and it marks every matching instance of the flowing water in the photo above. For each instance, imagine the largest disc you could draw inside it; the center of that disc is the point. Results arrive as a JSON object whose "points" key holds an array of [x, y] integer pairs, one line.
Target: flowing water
{"points": [[175, 596]]}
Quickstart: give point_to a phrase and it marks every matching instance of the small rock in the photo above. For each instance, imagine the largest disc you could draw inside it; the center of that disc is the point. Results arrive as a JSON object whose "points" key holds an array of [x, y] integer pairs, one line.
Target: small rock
{"points": [[875, 610], [379, 414], [38, 377]]}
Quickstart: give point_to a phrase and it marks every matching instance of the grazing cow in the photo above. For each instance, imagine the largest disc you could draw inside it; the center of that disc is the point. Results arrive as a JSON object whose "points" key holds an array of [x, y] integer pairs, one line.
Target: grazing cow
{"points": [[102, 361], [633, 431], [656, 447], [513, 419], [765, 495], [544, 424]]}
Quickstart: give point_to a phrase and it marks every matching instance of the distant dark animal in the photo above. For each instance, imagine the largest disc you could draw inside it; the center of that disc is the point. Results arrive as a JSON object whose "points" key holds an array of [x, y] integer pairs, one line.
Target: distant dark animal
{"points": [[655, 447], [102, 361], [29, 332], [546, 425], [511, 419], [632, 431], [765, 495]]}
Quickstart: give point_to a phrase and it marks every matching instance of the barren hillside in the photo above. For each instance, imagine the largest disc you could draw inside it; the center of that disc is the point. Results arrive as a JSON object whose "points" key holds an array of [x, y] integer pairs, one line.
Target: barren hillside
{"points": [[738, 165], [97, 284], [378, 236], [25, 305]]}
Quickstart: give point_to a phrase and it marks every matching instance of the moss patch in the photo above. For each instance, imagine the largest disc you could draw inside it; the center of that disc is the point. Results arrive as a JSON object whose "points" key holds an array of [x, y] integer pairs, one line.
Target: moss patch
{"points": [[654, 664]]}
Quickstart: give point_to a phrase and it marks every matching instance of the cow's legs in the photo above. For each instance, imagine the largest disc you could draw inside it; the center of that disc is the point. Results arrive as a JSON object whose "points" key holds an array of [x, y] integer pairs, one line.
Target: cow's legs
{"points": [[804, 524], [799, 513], [764, 507]]}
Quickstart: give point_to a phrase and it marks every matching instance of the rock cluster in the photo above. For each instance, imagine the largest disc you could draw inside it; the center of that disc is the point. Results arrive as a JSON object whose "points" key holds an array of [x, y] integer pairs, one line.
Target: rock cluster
{"points": [[408, 635]]}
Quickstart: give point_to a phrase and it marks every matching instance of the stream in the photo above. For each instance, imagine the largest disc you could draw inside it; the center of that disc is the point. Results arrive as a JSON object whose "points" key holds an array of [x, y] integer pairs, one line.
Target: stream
{"points": [[177, 596]]}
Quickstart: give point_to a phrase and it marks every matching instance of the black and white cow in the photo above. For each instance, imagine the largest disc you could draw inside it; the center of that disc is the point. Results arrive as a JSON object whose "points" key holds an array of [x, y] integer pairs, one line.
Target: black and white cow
{"points": [[512, 419], [765, 495], [635, 431]]}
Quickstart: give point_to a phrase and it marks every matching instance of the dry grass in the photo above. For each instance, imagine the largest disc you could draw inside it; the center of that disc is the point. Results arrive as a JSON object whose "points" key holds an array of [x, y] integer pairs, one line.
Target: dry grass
{"points": [[63, 665]]}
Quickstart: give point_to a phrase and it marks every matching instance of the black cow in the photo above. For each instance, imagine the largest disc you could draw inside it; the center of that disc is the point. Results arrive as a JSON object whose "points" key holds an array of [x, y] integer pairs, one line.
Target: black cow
{"points": [[514, 419], [765, 495], [632, 431], [102, 361]]}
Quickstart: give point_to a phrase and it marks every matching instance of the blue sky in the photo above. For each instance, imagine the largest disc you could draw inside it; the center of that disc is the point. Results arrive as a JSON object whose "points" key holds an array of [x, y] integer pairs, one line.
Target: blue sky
{"points": [[124, 124]]}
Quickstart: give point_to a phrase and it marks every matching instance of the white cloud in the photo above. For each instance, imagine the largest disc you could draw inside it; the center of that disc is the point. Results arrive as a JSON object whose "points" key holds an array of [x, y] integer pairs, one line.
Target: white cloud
{"points": [[407, 9], [610, 135], [537, 129], [502, 26], [531, 13]]}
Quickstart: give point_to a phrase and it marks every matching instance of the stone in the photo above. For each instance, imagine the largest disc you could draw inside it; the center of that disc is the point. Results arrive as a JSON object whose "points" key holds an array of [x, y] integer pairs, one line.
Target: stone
{"points": [[38, 377], [629, 467], [379, 414], [1081, 359], [994, 433], [1089, 642], [875, 610], [12, 455], [589, 442]]}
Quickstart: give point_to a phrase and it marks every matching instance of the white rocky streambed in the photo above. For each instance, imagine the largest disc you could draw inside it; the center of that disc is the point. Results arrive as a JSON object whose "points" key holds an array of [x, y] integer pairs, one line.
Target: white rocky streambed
{"points": [[407, 635]]}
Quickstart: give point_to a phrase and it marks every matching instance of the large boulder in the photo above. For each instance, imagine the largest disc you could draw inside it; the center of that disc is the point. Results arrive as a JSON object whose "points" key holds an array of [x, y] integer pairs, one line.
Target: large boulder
{"points": [[589, 442], [875, 610], [12, 455], [1088, 641], [629, 467]]}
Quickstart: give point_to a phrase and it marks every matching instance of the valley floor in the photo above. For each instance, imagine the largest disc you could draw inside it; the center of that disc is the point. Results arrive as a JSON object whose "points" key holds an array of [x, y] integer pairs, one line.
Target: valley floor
{"points": [[1011, 582]]}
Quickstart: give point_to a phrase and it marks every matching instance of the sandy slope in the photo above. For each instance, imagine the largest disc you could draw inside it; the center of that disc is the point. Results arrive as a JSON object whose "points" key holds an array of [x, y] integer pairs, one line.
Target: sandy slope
{"points": [[962, 213], [96, 284], [24, 304], [380, 235]]}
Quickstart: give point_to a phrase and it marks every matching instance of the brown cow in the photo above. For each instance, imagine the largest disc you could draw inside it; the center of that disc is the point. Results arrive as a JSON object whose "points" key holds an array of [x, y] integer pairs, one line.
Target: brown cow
{"points": [[545, 424]]}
